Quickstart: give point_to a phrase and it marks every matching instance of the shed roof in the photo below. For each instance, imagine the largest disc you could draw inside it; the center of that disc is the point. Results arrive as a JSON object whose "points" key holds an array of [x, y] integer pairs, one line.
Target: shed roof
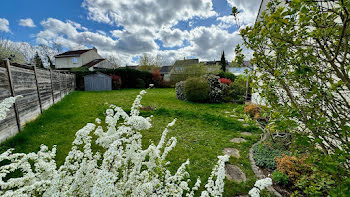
{"points": [[98, 73]]}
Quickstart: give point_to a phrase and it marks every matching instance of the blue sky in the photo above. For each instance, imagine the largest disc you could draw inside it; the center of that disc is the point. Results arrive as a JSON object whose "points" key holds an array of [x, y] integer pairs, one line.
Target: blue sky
{"points": [[170, 29]]}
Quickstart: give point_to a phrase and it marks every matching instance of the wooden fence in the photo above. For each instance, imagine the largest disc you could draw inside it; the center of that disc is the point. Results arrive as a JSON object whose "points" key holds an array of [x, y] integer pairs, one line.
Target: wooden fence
{"points": [[40, 89]]}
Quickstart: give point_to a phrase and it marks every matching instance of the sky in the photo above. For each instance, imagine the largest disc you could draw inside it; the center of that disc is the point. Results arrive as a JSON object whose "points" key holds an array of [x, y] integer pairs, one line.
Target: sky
{"points": [[127, 29]]}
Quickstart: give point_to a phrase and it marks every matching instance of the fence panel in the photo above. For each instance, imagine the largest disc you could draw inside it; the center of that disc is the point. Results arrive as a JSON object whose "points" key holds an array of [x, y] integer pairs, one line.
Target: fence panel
{"points": [[49, 86], [8, 126]]}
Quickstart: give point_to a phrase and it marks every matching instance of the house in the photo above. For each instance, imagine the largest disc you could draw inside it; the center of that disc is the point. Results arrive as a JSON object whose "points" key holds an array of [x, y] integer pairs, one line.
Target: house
{"points": [[213, 66], [165, 72], [178, 70], [182, 69], [88, 58]]}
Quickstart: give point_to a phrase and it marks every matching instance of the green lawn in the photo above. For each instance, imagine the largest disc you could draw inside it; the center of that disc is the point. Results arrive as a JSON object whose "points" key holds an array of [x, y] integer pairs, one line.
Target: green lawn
{"points": [[202, 130]]}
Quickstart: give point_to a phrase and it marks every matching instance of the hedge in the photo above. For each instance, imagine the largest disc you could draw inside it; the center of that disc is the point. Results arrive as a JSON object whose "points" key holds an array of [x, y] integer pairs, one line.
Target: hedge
{"points": [[130, 78]]}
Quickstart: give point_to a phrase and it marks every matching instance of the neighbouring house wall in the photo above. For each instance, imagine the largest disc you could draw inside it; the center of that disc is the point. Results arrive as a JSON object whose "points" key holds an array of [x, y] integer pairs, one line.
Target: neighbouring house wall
{"points": [[89, 56], [256, 98], [166, 77], [40, 89], [67, 62]]}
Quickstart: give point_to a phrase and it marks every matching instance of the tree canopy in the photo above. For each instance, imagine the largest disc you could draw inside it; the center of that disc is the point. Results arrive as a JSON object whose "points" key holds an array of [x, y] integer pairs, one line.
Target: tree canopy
{"points": [[302, 60]]}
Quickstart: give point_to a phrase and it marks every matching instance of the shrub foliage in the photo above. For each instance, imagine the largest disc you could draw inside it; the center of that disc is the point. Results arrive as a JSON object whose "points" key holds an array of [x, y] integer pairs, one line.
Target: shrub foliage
{"points": [[197, 89]]}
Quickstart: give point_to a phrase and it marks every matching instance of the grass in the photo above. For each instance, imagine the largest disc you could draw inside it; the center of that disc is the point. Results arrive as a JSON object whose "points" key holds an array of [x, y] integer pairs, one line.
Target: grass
{"points": [[202, 130]]}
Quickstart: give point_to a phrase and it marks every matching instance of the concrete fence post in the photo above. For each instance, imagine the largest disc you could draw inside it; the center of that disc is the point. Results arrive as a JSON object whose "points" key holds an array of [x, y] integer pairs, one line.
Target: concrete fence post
{"points": [[8, 68], [37, 88], [52, 93]]}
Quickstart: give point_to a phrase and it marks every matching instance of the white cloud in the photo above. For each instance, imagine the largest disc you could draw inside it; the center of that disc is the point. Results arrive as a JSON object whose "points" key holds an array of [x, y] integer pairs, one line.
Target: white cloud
{"points": [[172, 38], [208, 43], [226, 21], [4, 25], [73, 36], [28, 22], [205, 43], [144, 21], [133, 15], [140, 23]]}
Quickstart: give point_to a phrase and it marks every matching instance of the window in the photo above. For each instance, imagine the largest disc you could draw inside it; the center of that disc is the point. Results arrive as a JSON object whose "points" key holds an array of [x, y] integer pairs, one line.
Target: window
{"points": [[179, 68], [75, 60]]}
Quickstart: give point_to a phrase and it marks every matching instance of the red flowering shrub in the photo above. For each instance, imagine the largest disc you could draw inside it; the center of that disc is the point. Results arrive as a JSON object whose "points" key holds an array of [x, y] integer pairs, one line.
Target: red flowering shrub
{"points": [[156, 75], [225, 81], [157, 78], [115, 78], [116, 82]]}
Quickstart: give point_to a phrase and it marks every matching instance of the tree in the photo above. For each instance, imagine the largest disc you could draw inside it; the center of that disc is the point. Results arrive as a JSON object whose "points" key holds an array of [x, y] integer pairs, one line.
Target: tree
{"points": [[8, 51], [194, 70], [114, 60], [37, 61], [223, 62], [302, 59], [52, 66], [235, 13], [149, 63]]}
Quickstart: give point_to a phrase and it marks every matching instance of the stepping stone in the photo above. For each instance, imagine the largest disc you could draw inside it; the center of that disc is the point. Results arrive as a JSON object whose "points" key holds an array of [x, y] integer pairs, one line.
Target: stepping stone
{"points": [[241, 120], [245, 125], [246, 134], [234, 173], [227, 112], [233, 116], [238, 140], [231, 152]]}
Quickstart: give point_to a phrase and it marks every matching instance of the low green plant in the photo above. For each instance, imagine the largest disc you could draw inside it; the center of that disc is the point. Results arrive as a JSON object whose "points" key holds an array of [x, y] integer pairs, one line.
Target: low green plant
{"points": [[279, 177], [264, 155], [197, 89], [317, 184]]}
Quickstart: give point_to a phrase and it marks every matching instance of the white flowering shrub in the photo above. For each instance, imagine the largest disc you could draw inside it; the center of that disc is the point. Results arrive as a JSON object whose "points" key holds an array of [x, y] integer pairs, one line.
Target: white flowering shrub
{"points": [[124, 169], [180, 90], [259, 186], [217, 89]]}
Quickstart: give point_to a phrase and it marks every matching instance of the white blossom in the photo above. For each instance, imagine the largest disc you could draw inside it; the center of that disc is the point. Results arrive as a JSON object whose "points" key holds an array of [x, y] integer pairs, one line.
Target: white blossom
{"points": [[5, 106], [255, 192], [124, 169], [259, 186]]}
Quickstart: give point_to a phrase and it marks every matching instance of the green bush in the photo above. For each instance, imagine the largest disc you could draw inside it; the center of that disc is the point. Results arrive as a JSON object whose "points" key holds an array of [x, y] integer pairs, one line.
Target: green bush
{"points": [[140, 83], [317, 184], [237, 90], [264, 155], [197, 89], [227, 75], [279, 177]]}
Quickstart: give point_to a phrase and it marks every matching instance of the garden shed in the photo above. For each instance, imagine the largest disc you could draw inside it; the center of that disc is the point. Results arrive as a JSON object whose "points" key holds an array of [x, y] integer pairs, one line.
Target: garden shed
{"points": [[98, 82]]}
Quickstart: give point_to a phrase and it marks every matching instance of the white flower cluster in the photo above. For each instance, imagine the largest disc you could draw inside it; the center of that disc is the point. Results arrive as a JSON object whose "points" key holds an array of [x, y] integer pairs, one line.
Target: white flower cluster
{"points": [[124, 168], [259, 186], [5, 106]]}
